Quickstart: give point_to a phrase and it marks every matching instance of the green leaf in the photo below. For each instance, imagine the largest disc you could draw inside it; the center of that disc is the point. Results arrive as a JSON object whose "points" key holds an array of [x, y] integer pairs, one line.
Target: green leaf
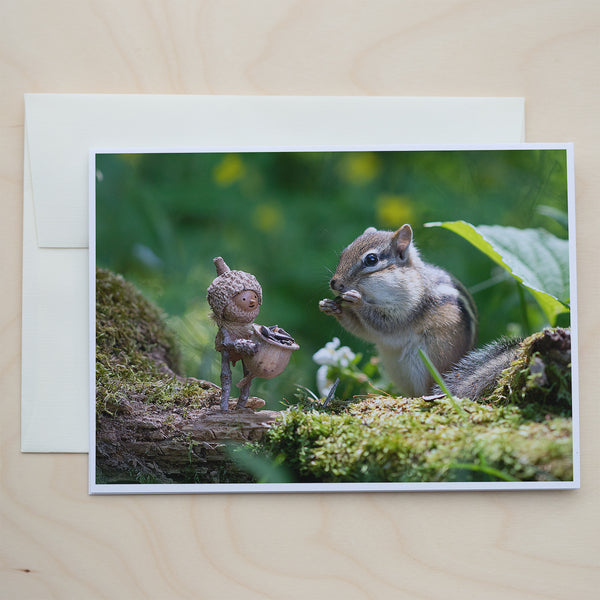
{"points": [[535, 257], [560, 216], [440, 381], [263, 469], [484, 469]]}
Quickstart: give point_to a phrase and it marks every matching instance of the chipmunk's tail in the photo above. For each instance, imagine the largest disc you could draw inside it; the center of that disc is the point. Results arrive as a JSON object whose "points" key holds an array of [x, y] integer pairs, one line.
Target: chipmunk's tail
{"points": [[476, 374]]}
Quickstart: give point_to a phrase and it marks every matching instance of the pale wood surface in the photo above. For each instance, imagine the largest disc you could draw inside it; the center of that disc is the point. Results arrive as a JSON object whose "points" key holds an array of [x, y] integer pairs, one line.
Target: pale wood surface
{"points": [[57, 542]]}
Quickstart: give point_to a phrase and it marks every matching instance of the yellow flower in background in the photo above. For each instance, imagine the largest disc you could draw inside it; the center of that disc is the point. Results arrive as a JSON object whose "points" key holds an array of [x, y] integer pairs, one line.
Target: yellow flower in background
{"points": [[393, 210], [229, 170], [267, 217], [360, 167], [133, 160]]}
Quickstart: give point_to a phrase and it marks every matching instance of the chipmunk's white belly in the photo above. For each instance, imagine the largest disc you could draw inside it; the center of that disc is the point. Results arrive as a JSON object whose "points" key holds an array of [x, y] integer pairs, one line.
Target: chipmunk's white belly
{"points": [[403, 365]]}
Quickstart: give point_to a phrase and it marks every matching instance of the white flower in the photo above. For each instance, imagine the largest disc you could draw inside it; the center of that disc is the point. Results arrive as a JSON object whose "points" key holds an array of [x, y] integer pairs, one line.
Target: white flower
{"points": [[323, 383], [326, 356], [333, 355], [345, 356]]}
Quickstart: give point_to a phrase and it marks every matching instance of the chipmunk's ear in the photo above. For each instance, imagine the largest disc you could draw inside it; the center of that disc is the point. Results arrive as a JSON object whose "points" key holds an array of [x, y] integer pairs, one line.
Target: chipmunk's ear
{"points": [[369, 230], [401, 240]]}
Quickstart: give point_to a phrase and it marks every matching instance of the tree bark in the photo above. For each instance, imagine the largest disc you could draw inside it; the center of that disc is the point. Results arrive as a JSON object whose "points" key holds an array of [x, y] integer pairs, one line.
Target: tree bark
{"points": [[146, 443]]}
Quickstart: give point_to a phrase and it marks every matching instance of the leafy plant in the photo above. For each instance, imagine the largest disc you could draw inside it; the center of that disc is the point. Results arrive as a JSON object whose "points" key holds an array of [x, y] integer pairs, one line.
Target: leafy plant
{"points": [[263, 469], [439, 380], [354, 376], [536, 258]]}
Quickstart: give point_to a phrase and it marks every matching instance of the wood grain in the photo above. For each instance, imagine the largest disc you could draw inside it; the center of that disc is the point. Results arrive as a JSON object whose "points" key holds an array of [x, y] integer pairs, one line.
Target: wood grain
{"points": [[58, 542]]}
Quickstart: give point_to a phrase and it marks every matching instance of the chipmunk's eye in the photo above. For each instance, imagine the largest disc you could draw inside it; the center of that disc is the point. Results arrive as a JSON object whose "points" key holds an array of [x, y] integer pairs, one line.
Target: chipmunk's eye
{"points": [[370, 260]]}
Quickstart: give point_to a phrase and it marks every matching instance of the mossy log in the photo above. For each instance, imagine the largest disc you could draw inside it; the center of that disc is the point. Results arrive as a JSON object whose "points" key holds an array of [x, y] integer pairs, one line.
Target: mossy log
{"points": [[146, 443], [154, 425], [521, 432]]}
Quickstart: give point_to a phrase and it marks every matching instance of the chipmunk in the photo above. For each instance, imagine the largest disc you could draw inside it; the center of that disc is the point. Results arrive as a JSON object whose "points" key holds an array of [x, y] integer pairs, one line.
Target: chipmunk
{"points": [[386, 294], [475, 375]]}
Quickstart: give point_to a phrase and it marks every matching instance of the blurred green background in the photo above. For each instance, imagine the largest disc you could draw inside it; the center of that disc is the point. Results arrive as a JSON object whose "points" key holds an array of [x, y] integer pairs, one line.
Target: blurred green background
{"points": [[286, 216]]}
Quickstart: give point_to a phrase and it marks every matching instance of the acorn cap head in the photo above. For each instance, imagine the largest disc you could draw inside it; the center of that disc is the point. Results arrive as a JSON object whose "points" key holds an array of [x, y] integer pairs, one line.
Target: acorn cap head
{"points": [[228, 284]]}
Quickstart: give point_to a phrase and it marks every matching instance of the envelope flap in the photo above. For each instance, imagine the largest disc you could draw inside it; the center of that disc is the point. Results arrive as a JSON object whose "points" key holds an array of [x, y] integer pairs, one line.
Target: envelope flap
{"points": [[51, 138], [61, 129]]}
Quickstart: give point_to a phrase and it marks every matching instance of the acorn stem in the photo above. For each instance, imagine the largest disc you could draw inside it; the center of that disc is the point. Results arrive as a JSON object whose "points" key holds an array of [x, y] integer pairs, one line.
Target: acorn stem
{"points": [[221, 265]]}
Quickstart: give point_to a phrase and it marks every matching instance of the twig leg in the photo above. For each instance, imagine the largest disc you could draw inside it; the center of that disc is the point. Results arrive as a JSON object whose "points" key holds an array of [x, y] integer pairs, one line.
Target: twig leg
{"points": [[225, 380], [245, 389]]}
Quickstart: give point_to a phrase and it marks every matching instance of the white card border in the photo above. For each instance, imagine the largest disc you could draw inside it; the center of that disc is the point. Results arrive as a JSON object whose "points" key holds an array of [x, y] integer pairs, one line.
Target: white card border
{"points": [[236, 488]]}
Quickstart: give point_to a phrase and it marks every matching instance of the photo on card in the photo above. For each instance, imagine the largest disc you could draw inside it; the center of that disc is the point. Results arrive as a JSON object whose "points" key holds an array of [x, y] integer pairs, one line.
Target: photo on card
{"points": [[333, 319]]}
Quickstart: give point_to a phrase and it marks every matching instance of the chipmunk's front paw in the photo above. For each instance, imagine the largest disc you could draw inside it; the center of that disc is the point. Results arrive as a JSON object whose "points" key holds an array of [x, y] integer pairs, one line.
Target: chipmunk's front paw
{"points": [[330, 307], [351, 297]]}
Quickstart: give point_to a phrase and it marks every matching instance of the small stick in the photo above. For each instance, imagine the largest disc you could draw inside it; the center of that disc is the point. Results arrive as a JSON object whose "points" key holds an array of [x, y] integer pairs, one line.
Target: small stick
{"points": [[331, 392]]}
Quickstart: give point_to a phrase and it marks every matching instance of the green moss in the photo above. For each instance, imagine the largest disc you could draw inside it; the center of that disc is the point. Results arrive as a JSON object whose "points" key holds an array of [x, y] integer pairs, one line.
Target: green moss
{"points": [[127, 323], [411, 440], [522, 432], [136, 354], [539, 380]]}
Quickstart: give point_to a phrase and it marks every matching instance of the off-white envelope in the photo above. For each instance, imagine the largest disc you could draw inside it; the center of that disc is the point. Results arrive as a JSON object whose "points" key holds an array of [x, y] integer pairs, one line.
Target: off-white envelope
{"points": [[60, 129]]}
